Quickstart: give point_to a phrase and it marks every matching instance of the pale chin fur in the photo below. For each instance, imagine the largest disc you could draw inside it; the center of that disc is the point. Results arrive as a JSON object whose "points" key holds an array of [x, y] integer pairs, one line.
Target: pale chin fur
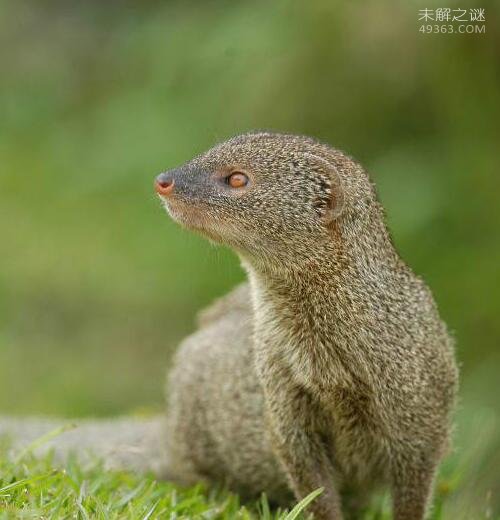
{"points": [[180, 217], [188, 221]]}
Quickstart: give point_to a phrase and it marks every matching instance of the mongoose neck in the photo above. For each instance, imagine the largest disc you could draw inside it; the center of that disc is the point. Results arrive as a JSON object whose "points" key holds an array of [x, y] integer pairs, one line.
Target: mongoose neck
{"points": [[328, 269], [346, 293]]}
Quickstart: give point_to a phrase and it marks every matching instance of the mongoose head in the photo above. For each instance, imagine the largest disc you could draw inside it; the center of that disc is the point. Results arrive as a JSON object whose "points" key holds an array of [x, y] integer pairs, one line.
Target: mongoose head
{"points": [[271, 197]]}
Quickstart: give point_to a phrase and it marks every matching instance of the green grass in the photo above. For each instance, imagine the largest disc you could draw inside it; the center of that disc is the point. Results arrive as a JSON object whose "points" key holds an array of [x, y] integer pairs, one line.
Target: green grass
{"points": [[33, 487]]}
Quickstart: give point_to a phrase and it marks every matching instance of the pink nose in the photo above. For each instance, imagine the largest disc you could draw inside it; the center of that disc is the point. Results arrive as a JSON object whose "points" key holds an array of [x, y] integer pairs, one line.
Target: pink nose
{"points": [[163, 185]]}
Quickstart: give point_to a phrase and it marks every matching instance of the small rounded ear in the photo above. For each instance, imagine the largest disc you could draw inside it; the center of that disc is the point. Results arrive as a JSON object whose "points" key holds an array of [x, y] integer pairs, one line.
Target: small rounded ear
{"points": [[335, 204]]}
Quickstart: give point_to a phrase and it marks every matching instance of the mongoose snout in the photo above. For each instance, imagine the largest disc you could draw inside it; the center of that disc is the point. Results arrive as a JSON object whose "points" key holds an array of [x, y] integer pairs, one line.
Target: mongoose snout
{"points": [[164, 184]]}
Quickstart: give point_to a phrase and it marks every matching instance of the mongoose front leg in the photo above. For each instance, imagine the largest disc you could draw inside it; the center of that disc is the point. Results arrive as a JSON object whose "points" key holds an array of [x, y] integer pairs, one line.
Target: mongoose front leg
{"points": [[299, 446], [412, 489]]}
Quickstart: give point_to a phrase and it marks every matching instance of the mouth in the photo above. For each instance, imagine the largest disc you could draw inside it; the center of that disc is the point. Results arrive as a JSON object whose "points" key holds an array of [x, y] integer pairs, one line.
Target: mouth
{"points": [[173, 209], [190, 217], [184, 214]]}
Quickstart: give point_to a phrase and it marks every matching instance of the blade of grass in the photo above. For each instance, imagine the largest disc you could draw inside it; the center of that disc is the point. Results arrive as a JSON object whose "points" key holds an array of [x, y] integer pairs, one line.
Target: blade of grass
{"points": [[295, 512], [150, 512], [26, 481]]}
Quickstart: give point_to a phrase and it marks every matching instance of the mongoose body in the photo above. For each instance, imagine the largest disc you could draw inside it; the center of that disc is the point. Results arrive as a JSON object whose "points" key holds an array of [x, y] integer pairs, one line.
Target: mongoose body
{"points": [[331, 368]]}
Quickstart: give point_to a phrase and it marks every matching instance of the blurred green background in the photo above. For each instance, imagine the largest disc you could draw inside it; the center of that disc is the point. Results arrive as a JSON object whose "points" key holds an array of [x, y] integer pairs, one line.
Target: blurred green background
{"points": [[97, 286]]}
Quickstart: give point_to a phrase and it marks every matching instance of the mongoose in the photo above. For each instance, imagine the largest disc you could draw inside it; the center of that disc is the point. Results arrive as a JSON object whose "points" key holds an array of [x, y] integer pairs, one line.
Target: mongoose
{"points": [[331, 367]]}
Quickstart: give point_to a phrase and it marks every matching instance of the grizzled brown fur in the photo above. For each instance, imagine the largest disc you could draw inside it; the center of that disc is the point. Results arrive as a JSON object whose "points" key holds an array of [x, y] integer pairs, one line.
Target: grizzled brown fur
{"points": [[331, 367]]}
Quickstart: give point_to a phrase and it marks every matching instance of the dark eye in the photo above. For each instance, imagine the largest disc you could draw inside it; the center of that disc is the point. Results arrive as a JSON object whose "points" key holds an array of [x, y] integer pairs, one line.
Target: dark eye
{"points": [[237, 180]]}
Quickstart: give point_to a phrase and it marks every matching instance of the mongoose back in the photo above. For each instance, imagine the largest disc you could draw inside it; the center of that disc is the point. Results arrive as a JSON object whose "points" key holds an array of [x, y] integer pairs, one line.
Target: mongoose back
{"points": [[331, 368]]}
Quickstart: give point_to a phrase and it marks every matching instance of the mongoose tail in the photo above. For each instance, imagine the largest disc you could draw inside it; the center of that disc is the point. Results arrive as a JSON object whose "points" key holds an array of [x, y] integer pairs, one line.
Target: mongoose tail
{"points": [[123, 443]]}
